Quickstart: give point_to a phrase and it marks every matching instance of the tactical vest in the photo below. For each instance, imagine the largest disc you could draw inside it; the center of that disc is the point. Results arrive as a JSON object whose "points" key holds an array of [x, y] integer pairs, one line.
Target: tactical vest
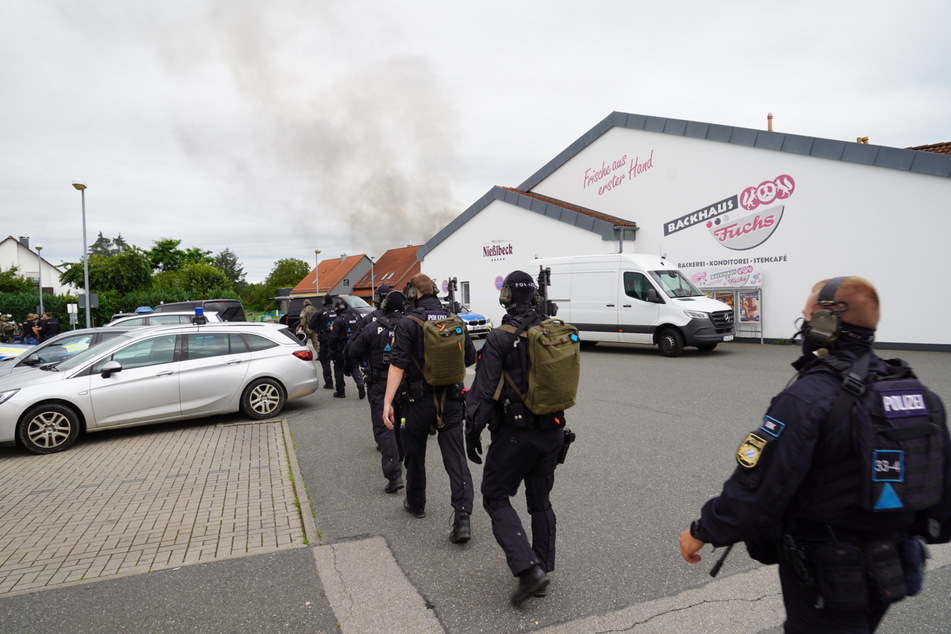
{"points": [[898, 435], [382, 340]]}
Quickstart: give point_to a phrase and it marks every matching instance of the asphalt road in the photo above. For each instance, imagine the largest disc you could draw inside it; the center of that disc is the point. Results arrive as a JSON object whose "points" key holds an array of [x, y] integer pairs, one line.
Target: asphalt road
{"points": [[656, 438]]}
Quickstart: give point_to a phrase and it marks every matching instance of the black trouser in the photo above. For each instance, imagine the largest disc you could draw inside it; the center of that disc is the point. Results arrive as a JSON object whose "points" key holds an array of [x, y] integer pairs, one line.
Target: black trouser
{"points": [[518, 454], [387, 440], [420, 416], [324, 355], [354, 373], [803, 617]]}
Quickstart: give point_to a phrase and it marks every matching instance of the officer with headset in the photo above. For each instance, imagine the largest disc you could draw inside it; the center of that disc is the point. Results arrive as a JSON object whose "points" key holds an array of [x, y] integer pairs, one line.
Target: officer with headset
{"points": [[799, 494], [429, 408], [524, 446]]}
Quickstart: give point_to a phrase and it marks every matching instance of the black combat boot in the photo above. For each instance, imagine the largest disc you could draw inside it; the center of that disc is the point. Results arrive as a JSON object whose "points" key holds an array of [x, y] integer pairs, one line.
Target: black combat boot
{"points": [[340, 394], [530, 582], [394, 485], [461, 531]]}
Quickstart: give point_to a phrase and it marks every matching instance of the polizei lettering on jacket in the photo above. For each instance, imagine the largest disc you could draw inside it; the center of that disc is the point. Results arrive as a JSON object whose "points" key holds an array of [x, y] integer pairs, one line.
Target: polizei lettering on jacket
{"points": [[701, 215], [905, 403], [496, 250]]}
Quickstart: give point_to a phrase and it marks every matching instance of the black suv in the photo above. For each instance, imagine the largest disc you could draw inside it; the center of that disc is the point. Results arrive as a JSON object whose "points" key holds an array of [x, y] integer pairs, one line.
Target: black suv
{"points": [[296, 304]]}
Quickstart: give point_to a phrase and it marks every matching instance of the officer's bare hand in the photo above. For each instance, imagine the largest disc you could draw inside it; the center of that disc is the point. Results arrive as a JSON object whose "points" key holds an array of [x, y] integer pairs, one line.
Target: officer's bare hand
{"points": [[388, 415], [689, 546]]}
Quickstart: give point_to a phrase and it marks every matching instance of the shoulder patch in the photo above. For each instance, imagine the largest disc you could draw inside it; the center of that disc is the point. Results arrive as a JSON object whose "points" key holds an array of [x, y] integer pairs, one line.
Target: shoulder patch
{"points": [[772, 426], [750, 450]]}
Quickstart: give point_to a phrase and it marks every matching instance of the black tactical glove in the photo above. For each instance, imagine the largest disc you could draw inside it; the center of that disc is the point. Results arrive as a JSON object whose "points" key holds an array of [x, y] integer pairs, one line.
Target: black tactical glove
{"points": [[474, 448]]}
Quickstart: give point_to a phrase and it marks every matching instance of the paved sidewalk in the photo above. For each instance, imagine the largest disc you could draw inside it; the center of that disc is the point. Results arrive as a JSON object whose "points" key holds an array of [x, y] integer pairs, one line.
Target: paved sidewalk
{"points": [[145, 500]]}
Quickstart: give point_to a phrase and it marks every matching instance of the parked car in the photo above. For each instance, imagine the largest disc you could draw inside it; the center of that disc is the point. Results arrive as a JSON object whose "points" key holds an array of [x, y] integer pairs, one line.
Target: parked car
{"points": [[160, 319], [227, 309], [476, 323], [60, 347], [155, 375]]}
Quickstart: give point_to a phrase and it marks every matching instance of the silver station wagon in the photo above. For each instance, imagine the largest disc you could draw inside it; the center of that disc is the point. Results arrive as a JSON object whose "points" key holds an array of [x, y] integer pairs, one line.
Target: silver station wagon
{"points": [[156, 375]]}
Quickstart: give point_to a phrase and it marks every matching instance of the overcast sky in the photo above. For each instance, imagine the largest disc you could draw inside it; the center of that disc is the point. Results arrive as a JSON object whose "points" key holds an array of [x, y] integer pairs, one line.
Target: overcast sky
{"points": [[276, 128]]}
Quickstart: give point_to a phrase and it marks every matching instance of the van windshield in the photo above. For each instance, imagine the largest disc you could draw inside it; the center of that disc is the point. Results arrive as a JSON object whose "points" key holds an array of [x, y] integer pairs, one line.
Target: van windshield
{"points": [[675, 284]]}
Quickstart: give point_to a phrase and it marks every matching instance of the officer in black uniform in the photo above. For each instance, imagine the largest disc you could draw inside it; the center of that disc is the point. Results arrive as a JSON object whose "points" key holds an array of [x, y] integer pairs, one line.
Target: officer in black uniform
{"points": [[322, 324], [344, 326], [372, 347], [381, 292], [523, 449], [782, 501], [429, 407]]}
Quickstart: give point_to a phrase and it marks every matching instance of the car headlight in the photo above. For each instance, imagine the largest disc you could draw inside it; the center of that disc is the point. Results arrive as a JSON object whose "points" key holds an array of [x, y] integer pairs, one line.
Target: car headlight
{"points": [[5, 396], [696, 314]]}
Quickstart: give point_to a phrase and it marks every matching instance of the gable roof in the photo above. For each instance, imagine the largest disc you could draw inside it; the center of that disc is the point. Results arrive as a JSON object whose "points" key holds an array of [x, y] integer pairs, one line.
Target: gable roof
{"points": [[331, 271], [604, 225], [394, 268], [909, 159]]}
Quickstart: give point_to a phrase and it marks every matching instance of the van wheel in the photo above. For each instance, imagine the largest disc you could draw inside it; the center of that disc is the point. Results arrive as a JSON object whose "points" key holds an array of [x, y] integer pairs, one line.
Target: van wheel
{"points": [[48, 428], [671, 342], [262, 399], [588, 344], [707, 347]]}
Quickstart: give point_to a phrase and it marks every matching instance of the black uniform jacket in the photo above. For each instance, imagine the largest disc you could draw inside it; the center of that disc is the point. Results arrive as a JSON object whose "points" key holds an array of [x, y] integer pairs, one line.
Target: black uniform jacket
{"points": [[777, 488]]}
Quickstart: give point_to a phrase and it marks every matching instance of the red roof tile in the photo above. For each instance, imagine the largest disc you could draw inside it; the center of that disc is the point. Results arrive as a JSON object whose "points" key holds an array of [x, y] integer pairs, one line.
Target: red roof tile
{"points": [[937, 148]]}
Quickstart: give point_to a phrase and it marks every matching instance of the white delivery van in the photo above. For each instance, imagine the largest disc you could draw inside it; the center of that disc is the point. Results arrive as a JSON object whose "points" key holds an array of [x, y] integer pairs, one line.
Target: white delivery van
{"points": [[635, 298]]}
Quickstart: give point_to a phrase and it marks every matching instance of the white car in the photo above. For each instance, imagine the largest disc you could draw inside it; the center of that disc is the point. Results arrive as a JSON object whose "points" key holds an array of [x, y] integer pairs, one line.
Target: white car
{"points": [[155, 375], [160, 319]]}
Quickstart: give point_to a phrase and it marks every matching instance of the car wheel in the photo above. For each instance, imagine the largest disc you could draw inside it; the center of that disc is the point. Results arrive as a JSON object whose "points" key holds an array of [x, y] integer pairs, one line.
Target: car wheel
{"points": [[48, 428], [671, 342], [707, 347], [262, 399]]}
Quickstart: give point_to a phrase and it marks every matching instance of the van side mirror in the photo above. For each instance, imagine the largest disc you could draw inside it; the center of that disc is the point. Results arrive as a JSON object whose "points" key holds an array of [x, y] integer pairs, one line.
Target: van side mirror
{"points": [[653, 296], [109, 368]]}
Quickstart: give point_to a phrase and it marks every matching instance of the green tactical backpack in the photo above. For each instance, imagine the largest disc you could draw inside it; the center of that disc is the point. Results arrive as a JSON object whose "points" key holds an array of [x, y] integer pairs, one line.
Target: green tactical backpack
{"points": [[554, 366], [444, 350]]}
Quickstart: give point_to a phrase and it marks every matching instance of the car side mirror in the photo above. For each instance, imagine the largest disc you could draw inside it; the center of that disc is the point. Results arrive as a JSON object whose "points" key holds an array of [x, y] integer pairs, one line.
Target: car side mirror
{"points": [[110, 367], [653, 296]]}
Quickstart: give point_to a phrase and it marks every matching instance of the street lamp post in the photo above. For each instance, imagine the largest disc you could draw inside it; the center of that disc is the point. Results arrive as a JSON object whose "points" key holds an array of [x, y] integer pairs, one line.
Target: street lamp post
{"points": [[317, 271], [81, 186], [39, 261], [372, 281]]}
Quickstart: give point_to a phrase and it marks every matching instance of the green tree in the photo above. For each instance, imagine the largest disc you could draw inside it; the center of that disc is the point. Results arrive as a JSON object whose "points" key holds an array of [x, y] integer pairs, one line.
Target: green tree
{"points": [[287, 272], [12, 282], [227, 263], [125, 272], [166, 256], [194, 281]]}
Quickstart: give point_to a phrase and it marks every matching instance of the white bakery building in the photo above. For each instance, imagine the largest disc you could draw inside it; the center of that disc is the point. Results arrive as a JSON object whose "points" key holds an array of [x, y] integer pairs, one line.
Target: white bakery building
{"points": [[754, 217]]}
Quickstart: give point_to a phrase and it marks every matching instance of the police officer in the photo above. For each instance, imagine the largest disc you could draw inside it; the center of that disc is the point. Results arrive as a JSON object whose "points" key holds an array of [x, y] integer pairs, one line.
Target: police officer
{"points": [[524, 447], [373, 346], [306, 315], [29, 329], [7, 329], [381, 292], [429, 407], [344, 325], [47, 327], [322, 323], [797, 494]]}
